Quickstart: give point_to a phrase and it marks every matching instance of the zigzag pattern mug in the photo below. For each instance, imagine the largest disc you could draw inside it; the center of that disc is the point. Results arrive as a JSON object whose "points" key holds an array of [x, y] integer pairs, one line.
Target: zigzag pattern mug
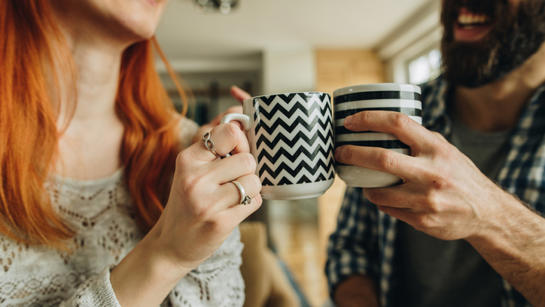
{"points": [[291, 138]]}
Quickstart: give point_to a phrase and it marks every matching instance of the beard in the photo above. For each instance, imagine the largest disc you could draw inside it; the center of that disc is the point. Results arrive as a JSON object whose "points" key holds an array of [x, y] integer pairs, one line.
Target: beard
{"points": [[515, 36]]}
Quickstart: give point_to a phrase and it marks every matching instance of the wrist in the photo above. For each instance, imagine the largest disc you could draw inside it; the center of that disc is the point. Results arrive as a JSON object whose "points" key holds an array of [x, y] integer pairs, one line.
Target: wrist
{"points": [[161, 262], [500, 222], [145, 276]]}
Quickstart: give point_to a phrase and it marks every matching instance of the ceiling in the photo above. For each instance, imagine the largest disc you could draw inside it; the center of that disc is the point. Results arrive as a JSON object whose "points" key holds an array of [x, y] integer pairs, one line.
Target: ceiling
{"points": [[256, 25]]}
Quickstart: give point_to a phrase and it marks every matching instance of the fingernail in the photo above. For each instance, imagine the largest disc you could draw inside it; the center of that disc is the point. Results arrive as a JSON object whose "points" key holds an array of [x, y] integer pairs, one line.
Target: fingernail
{"points": [[348, 120]]}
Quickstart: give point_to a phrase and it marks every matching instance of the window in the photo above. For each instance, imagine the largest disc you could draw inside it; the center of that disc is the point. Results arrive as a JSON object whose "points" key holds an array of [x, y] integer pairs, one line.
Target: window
{"points": [[424, 67]]}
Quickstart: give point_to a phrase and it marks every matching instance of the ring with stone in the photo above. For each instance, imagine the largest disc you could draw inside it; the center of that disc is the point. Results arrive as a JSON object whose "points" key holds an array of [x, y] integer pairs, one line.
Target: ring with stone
{"points": [[244, 199]]}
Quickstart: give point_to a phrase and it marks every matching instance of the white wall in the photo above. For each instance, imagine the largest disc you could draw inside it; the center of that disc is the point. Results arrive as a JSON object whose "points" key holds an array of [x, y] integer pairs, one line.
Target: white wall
{"points": [[288, 70]]}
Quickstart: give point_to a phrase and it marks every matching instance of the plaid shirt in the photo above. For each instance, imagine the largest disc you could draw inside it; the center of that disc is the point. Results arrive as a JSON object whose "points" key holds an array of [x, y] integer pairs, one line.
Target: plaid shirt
{"points": [[363, 242]]}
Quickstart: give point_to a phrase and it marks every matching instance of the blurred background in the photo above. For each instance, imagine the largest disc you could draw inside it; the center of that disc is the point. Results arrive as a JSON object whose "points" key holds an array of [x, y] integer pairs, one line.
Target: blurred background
{"points": [[274, 46]]}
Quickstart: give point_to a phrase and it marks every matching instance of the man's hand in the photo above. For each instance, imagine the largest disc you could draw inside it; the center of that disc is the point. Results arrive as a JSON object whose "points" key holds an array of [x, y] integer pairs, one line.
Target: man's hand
{"points": [[443, 193], [239, 95], [356, 291]]}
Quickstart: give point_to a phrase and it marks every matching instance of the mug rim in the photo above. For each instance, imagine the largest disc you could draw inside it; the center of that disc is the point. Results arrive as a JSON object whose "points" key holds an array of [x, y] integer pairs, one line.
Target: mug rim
{"points": [[377, 87], [289, 93]]}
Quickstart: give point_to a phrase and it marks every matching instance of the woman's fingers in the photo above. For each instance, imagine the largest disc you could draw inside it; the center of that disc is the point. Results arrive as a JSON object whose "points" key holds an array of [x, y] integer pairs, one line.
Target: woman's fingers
{"points": [[228, 195], [235, 214], [221, 140], [229, 168], [239, 94], [216, 121]]}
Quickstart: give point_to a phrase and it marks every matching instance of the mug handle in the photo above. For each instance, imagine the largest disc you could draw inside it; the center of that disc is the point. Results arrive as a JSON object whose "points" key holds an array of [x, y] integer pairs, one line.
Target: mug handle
{"points": [[241, 118]]}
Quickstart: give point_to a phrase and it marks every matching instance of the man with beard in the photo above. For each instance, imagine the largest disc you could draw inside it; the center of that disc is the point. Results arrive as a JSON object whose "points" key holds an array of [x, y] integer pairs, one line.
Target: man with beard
{"points": [[464, 228]]}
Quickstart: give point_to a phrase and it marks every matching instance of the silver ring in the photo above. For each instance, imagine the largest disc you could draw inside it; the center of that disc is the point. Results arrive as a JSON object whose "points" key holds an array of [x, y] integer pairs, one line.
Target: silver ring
{"points": [[244, 199], [209, 144]]}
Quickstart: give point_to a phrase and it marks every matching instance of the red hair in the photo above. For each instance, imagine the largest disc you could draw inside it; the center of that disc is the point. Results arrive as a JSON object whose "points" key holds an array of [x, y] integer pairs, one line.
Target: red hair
{"points": [[29, 51]]}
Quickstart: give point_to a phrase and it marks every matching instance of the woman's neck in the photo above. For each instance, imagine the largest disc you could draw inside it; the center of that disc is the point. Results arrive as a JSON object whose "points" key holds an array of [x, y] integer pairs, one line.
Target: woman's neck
{"points": [[91, 133], [97, 68]]}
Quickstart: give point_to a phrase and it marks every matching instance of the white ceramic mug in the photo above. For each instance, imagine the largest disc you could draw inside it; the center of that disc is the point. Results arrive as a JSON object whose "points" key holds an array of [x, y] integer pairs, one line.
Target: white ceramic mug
{"points": [[404, 98], [291, 138]]}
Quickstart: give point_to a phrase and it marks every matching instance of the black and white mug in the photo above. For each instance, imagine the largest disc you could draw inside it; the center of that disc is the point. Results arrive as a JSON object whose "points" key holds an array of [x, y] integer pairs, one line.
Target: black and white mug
{"points": [[404, 98], [291, 138]]}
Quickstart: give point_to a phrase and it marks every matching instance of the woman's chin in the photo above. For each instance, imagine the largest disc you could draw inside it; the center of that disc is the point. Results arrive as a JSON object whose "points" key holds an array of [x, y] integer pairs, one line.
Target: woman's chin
{"points": [[137, 34]]}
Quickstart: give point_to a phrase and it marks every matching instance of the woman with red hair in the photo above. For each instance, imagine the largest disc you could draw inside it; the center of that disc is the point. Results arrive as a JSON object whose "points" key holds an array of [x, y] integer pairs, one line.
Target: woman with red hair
{"points": [[103, 200]]}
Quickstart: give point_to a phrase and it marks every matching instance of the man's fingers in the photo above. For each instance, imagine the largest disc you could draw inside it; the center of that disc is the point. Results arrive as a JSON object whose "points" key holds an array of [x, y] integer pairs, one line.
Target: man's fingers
{"points": [[399, 196], [402, 214], [379, 159], [402, 126]]}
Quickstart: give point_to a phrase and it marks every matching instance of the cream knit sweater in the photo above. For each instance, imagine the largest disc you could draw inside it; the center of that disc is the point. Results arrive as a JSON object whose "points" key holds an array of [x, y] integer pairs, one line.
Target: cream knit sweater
{"points": [[101, 213]]}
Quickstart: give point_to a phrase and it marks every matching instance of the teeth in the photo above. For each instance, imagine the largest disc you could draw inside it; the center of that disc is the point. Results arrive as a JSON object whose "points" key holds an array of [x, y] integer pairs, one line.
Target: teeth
{"points": [[469, 18]]}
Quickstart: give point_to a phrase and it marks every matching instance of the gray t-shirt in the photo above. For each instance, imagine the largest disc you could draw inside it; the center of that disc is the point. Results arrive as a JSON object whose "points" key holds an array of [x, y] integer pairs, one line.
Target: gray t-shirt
{"points": [[451, 273]]}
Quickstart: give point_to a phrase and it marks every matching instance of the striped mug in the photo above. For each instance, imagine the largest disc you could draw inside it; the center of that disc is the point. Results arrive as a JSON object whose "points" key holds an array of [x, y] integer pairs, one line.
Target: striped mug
{"points": [[404, 98]]}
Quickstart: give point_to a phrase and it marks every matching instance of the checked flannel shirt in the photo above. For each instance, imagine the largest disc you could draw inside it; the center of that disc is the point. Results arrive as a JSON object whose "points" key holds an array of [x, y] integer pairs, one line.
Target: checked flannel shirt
{"points": [[363, 242]]}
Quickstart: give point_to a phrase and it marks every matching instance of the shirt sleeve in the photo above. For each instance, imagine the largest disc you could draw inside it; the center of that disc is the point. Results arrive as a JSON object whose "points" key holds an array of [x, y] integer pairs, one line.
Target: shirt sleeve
{"points": [[353, 246], [95, 291]]}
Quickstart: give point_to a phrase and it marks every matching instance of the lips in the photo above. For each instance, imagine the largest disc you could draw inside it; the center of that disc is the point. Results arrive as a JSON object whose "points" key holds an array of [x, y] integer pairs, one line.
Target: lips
{"points": [[471, 26]]}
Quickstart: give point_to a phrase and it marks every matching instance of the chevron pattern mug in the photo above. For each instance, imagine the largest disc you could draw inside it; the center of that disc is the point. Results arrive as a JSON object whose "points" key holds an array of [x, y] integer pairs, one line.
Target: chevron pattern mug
{"points": [[291, 138]]}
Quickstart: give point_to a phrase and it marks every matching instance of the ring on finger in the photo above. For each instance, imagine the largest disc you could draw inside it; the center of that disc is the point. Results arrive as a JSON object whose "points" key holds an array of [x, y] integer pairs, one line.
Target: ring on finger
{"points": [[244, 198], [209, 144]]}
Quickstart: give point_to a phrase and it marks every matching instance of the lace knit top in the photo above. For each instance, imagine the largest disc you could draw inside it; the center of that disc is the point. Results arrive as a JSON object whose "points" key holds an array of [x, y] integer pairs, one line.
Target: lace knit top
{"points": [[101, 213]]}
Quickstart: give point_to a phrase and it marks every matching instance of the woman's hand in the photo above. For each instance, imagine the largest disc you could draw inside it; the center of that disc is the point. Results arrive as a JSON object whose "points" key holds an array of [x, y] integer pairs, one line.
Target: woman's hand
{"points": [[201, 212], [203, 208]]}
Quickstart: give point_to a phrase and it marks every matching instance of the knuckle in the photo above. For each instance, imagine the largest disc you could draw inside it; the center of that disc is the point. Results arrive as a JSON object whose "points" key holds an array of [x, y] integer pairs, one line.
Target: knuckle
{"points": [[248, 162], [346, 154], [200, 212], [256, 183], [259, 200], [423, 221], [364, 117], [196, 208], [233, 132], [439, 136], [182, 159], [432, 203], [400, 120], [386, 160], [190, 185]]}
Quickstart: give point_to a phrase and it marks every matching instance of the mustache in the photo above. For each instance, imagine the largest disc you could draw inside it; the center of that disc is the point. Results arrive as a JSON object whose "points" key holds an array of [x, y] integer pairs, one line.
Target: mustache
{"points": [[499, 13], [491, 8], [516, 34]]}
